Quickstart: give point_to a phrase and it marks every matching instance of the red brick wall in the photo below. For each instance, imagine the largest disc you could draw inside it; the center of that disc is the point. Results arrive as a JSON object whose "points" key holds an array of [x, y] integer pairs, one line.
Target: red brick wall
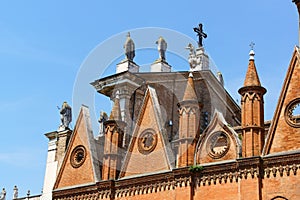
{"points": [[286, 186]]}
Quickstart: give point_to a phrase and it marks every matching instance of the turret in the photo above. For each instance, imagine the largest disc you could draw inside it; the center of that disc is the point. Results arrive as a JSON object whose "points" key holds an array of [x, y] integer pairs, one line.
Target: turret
{"points": [[114, 132], [252, 106], [189, 118]]}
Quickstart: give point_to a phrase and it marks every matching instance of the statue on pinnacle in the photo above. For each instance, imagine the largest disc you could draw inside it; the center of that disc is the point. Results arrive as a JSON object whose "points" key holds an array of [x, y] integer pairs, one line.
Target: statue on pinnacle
{"points": [[65, 116]]}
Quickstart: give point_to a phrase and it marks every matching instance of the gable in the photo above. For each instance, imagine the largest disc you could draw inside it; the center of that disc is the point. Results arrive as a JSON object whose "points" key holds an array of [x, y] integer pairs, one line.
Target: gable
{"points": [[219, 142], [149, 150], [284, 133], [80, 165]]}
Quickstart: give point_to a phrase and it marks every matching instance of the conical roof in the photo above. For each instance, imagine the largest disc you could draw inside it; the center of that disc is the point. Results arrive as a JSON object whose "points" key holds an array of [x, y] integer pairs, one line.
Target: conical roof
{"points": [[116, 110], [252, 78], [189, 93]]}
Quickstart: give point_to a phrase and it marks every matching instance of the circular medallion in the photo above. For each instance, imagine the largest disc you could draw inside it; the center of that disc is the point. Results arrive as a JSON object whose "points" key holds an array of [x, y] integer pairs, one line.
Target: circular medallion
{"points": [[78, 156], [147, 141], [292, 113], [218, 145]]}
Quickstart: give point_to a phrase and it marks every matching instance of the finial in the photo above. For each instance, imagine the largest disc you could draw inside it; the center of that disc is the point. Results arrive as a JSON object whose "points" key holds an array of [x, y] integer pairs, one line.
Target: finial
{"points": [[252, 44], [251, 53], [191, 75], [201, 34], [128, 34]]}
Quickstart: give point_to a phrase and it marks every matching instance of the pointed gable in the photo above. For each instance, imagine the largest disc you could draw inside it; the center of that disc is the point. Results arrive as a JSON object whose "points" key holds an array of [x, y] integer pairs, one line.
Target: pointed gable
{"points": [[149, 150], [219, 142], [80, 165], [284, 133]]}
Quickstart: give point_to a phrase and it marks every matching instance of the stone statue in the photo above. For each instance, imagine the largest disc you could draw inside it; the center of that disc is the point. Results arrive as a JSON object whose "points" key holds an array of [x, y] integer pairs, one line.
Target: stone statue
{"points": [[162, 47], [129, 48], [190, 47], [103, 118], [3, 194], [65, 115], [16, 193], [201, 34], [192, 56]]}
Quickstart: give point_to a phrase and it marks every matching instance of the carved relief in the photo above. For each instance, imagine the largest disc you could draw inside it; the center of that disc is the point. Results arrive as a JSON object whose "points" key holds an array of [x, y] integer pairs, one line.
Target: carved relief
{"points": [[147, 141], [290, 116], [218, 145]]}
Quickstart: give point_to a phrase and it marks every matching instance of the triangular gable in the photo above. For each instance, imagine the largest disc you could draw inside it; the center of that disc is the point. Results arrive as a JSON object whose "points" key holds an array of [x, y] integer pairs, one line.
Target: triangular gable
{"points": [[218, 142], [283, 135], [149, 150], [80, 164]]}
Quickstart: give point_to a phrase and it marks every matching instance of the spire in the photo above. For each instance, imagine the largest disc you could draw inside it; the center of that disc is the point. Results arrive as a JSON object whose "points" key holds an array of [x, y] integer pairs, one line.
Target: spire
{"points": [[116, 110], [251, 75], [189, 93]]}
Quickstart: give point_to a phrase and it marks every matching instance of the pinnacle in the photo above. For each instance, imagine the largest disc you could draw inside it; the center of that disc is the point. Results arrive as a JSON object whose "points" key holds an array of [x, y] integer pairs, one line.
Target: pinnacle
{"points": [[189, 93], [252, 78], [116, 110]]}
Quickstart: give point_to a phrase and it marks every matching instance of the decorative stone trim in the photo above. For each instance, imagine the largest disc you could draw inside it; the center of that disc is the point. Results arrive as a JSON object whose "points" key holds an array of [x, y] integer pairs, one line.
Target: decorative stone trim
{"points": [[281, 170], [220, 173], [78, 156], [214, 141], [147, 141], [290, 118]]}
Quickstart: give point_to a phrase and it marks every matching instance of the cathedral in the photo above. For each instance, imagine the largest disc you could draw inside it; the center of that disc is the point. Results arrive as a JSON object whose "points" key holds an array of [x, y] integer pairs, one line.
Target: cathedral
{"points": [[179, 135]]}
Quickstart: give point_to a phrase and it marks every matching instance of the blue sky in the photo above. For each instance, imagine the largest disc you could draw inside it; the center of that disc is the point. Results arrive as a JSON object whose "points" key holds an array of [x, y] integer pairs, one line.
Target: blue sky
{"points": [[43, 45]]}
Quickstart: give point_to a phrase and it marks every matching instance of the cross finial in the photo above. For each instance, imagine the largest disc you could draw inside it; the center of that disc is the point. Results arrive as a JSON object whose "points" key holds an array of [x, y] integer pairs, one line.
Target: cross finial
{"points": [[201, 34], [252, 44]]}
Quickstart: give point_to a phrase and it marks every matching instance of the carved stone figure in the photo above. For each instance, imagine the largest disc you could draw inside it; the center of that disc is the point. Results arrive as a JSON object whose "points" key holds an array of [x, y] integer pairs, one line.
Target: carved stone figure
{"points": [[102, 119], [162, 47], [65, 115], [192, 57], [191, 48], [3, 194], [16, 192], [129, 48]]}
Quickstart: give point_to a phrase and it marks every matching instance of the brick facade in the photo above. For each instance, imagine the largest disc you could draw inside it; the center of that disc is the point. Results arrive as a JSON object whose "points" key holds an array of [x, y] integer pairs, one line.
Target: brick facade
{"points": [[186, 138]]}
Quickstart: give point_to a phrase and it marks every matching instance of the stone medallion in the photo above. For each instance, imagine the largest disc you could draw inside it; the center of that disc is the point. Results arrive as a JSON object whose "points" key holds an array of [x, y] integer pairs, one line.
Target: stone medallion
{"points": [[218, 144], [78, 156], [147, 141]]}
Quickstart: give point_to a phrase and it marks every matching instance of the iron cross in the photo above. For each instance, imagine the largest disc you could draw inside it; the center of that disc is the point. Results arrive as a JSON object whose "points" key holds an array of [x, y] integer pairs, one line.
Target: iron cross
{"points": [[200, 34], [252, 45]]}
